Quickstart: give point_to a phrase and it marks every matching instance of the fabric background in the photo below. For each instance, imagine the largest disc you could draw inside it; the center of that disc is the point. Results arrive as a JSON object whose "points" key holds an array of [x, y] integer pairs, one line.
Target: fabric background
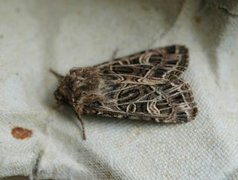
{"points": [[38, 35]]}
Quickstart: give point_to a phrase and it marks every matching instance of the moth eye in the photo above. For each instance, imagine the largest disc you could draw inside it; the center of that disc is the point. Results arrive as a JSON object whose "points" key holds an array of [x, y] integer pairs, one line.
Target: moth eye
{"points": [[58, 96]]}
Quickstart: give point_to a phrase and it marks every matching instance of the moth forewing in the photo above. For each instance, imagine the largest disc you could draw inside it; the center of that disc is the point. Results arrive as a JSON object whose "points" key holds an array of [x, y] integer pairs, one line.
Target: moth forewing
{"points": [[145, 86]]}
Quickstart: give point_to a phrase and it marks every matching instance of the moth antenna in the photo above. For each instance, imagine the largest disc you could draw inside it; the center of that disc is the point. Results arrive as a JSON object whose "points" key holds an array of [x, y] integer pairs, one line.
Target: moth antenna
{"points": [[57, 75], [82, 125]]}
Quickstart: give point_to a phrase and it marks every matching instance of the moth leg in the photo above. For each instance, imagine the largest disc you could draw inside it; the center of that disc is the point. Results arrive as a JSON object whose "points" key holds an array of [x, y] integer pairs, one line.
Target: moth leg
{"points": [[78, 111], [82, 124], [114, 54]]}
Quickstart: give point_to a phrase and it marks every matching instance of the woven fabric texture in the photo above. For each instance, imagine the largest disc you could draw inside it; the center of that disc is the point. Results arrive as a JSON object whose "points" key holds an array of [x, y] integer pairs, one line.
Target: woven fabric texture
{"points": [[38, 35]]}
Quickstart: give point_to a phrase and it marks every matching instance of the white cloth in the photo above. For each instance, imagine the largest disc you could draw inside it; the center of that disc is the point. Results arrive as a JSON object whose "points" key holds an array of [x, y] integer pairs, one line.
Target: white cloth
{"points": [[38, 35]]}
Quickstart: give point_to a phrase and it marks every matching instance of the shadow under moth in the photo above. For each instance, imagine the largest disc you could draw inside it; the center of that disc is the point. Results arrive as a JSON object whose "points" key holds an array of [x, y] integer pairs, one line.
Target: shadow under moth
{"points": [[144, 86]]}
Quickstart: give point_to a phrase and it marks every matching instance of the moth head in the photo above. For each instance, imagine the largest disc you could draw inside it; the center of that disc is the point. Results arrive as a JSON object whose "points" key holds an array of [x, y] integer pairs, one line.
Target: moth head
{"points": [[63, 93], [77, 84]]}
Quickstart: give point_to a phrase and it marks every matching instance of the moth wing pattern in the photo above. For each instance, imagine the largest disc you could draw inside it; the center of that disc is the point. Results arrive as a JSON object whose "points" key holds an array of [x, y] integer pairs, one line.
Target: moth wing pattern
{"points": [[168, 103], [145, 86], [155, 64]]}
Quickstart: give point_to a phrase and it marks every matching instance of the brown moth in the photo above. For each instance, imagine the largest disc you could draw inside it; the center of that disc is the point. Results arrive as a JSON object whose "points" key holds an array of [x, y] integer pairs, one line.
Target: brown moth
{"points": [[146, 86]]}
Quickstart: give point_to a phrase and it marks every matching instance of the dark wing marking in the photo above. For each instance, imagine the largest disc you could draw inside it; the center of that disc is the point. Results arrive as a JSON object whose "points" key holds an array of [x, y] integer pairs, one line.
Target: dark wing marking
{"points": [[154, 64], [167, 103]]}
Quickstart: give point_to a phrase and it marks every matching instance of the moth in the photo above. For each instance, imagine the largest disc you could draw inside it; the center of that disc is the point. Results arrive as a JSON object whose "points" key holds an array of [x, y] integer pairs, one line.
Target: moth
{"points": [[146, 86]]}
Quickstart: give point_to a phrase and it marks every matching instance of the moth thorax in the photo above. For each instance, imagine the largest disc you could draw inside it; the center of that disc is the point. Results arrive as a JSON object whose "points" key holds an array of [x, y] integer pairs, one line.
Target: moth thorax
{"points": [[84, 79]]}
